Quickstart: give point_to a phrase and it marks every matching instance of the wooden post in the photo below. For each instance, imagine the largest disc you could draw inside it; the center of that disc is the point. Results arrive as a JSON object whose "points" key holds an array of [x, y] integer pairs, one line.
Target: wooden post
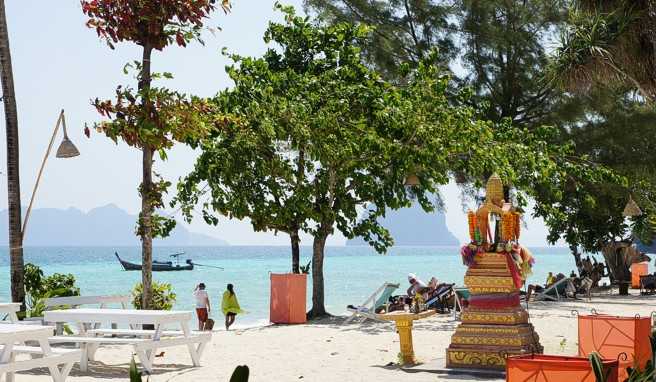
{"points": [[404, 327]]}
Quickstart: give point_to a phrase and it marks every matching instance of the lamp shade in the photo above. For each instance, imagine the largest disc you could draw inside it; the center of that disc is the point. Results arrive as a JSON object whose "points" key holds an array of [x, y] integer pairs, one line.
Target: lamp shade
{"points": [[631, 208], [411, 180], [67, 149]]}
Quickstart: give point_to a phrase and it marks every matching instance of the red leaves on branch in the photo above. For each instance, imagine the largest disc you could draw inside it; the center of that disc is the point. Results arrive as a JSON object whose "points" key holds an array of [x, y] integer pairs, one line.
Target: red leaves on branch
{"points": [[172, 117], [150, 116], [156, 23], [180, 39]]}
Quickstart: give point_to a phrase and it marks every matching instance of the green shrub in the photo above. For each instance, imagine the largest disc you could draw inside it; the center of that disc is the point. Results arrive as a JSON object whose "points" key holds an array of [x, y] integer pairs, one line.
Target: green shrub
{"points": [[63, 283], [648, 373], [33, 279], [163, 296], [38, 288], [135, 376], [597, 364]]}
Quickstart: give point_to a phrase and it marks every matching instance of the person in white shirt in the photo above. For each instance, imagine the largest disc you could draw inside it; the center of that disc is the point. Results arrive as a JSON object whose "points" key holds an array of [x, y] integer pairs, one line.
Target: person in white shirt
{"points": [[415, 285], [202, 305]]}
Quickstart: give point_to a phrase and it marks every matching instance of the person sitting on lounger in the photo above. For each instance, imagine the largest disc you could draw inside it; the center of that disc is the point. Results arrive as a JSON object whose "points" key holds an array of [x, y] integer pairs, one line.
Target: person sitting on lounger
{"points": [[539, 288], [416, 285]]}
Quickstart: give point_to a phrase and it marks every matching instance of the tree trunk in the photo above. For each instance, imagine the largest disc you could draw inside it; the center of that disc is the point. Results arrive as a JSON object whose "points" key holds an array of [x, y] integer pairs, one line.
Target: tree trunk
{"points": [[296, 252], [146, 191], [318, 246], [300, 176], [577, 258], [13, 179]]}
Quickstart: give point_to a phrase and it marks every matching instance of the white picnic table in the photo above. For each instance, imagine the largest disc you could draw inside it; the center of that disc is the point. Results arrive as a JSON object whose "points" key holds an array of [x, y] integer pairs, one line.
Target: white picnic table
{"points": [[146, 342], [12, 336], [9, 309]]}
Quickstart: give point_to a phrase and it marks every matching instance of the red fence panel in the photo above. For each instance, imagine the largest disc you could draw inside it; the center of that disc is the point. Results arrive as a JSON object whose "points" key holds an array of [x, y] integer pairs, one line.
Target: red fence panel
{"points": [[611, 336], [553, 368]]}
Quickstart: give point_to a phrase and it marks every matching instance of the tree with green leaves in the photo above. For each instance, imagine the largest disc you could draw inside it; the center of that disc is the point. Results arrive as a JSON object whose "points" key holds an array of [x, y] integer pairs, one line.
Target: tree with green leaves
{"points": [[150, 119], [608, 48], [405, 32], [501, 47], [360, 136], [608, 42], [614, 133], [504, 55]]}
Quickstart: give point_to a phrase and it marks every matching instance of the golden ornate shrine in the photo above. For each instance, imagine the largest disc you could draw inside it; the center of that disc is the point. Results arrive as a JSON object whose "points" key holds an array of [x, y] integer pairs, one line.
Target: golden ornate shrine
{"points": [[494, 324]]}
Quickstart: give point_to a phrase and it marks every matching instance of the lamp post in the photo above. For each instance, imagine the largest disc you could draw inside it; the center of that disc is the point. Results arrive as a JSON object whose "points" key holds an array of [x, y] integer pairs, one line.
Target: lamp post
{"points": [[66, 149]]}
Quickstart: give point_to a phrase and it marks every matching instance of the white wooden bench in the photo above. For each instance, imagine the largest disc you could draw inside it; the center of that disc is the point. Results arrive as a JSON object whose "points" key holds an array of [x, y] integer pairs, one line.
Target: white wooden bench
{"points": [[145, 348], [9, 310], [136, 332], [58, 361], [85, 349], [78, 301]]}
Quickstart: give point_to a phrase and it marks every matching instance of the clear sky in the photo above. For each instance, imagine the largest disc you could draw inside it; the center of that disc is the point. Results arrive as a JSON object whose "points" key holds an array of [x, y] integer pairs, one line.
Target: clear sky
{"points": [[59, 63]]}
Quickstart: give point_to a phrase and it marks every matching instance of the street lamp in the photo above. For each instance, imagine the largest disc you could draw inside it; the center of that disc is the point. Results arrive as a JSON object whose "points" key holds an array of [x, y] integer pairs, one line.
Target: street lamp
{"points": [[66, 149]]}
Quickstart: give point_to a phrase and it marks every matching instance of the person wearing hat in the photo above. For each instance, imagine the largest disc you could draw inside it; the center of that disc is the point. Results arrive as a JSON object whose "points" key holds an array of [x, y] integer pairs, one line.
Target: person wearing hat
{"points": [[416, 285]]}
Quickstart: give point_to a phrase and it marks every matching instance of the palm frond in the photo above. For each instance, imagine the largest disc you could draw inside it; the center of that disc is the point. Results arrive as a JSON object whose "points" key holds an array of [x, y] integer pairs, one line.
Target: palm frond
{"points": [[605, 42]]}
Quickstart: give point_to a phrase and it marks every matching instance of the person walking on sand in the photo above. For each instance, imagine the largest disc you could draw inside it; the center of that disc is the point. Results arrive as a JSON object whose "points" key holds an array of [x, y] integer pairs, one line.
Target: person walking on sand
{"points": [[202, 305], [230, 306]]}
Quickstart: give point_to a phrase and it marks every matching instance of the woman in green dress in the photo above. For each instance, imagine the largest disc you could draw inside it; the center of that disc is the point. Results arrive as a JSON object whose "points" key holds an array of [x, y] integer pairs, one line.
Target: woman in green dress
{"points": [[230, 306]]}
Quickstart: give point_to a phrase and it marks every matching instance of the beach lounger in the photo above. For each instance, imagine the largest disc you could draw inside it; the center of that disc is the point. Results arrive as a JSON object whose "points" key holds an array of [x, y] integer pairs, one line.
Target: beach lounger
{"points": [[461, 295], [368, 308], [555, 292], [440, 296]]}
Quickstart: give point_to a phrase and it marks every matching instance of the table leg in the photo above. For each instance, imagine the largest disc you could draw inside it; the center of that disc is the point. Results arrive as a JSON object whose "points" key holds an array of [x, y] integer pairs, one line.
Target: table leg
{"points": [[84, 360], [156, 336], [90, 349], [193, 352], [10, 376], [404, 327], [13, 318], [146, 359], [54, 369], [7, 356], [65, 370]]}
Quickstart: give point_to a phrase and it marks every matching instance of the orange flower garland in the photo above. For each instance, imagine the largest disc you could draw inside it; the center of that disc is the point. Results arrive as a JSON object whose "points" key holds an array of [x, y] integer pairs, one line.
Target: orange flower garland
{"points": [[471, 219]]}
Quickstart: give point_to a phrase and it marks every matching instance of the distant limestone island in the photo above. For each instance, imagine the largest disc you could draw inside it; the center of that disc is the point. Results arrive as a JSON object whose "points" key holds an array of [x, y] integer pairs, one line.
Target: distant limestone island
{"points": [[414, 227], [102, 226]]}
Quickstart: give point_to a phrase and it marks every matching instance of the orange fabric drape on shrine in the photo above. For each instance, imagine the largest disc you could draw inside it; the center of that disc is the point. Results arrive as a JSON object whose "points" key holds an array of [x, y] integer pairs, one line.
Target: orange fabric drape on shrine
{"points": [[553, 368], [611, 336]]}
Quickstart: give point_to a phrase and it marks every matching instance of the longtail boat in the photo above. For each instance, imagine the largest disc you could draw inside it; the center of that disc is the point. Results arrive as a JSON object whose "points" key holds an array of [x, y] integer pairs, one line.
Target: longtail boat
{"points": [[159, 266]]}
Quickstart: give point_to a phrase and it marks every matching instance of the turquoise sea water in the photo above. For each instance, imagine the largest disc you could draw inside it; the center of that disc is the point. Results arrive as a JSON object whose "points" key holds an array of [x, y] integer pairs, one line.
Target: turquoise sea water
{"points": [[351, 273]]}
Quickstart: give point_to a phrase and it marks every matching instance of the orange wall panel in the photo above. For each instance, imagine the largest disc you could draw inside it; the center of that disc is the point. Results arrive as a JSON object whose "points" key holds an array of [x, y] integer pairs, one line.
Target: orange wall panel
{"points": [[552, 368], [288, 298], [637, 270], [613, 337]]}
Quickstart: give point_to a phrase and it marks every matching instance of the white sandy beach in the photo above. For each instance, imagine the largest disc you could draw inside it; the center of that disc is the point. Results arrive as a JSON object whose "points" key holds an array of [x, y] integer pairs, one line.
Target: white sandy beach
{"points": [[329, 351]]}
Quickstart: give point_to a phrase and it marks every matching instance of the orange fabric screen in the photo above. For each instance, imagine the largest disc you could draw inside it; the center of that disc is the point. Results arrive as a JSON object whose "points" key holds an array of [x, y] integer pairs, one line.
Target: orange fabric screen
{"points": [[611, 336], [553, 368], [288, 295], [637, 270]]}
